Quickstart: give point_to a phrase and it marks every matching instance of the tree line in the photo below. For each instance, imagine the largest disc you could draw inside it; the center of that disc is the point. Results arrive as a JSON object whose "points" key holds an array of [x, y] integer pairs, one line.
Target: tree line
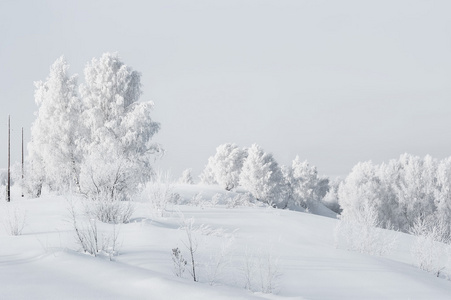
{"points": [[296, 186]]}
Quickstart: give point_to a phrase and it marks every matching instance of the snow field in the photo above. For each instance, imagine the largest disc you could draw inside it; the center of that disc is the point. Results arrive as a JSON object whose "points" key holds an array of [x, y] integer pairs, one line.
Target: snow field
{"points": [[297, 248]]}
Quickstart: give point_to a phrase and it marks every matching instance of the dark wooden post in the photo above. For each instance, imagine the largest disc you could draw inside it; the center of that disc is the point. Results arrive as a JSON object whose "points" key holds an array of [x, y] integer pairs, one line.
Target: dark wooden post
{"points": [[8, 187], [22, 163]]}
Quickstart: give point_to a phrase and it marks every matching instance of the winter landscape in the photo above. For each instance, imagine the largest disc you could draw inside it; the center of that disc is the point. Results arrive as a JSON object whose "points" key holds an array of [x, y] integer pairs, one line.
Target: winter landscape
{"points": [[299, 151]]}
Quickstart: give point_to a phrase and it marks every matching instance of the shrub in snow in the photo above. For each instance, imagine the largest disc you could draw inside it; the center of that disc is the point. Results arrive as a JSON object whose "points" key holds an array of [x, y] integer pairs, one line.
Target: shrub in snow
{"points": [[54, 155], [209, 251], [179, 262], [225, 166], [430, 247], [360, 232], [2, 192], [90, 238], [245, 199], [191, 244], [219, 258], [186, 177], [118, 149], [262, 177], [14, 219], [3, 177], [198, 200], [160, 192], [110, 210], [217, 198], [260, 271]]}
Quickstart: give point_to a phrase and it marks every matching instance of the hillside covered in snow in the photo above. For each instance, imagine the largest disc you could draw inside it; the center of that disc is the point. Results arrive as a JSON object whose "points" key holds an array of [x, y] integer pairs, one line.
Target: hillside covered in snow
{"points": [[240, 252]]}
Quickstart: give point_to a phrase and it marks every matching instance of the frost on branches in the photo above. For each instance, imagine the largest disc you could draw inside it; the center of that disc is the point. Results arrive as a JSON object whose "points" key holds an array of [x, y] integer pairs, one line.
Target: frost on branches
{"points": [[54, 156], [262, 177], [225, 166], [401, 191], [118, 150], [99, 142], [304, 183], [186, 177]]}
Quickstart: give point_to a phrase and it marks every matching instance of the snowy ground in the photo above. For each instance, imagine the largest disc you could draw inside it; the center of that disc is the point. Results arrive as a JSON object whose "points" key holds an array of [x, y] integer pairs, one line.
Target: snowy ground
{"points": [[43, 262]]}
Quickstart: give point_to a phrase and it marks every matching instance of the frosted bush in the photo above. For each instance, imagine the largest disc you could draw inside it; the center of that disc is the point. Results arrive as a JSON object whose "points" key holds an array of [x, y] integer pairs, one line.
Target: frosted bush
{"points": [[2, 192], [179, 262], [430, 249], [360, 232], [160, 193], [88, 235], [217, 199], [198, 200], [260, 270], [219, 259], [186, 177], [245, 199], [14, 219], [109, 210], [191, 244]]}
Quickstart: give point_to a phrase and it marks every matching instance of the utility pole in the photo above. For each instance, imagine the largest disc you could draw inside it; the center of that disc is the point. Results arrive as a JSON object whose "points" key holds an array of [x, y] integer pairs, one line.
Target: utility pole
{"points": [[8, 187], [22, 162]]}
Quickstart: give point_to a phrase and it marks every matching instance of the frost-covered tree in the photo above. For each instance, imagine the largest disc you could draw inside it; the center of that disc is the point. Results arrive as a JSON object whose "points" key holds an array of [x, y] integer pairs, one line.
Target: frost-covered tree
{"points": [[362, 188], [442, 198], [402, 191], [415, 189], [330, 200], [207, 176], [306, 185], [54, 155], [118, 148], [262, 177], [390, 181], [186, 177], [225, 166]]}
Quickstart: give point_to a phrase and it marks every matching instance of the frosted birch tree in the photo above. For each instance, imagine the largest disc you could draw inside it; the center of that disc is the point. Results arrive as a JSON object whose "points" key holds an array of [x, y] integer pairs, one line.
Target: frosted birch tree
{"points": [[54, 155], [118, 150]]}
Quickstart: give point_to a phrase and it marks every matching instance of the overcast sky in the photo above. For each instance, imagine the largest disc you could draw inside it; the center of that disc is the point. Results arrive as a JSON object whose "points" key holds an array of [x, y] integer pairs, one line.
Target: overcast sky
{"points": [[336, 82]]}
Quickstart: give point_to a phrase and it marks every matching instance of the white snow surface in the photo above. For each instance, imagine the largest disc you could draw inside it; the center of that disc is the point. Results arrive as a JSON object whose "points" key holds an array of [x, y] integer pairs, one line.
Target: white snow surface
{"points": [[45, 262]]}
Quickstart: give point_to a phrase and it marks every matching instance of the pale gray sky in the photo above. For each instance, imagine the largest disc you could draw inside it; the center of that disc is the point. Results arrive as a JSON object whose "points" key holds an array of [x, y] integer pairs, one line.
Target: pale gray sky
{"points": [[336, 82]]}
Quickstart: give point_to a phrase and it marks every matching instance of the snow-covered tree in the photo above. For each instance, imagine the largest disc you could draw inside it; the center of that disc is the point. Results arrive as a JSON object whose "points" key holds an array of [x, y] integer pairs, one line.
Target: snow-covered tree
{"points": [[402, 191], [225, 166], [442, 196], [414, 195], [262, 177], [390, 182], [362, 188], [118, 149], [207, 176], [54, 155], [305, 183], [186, 177], [330, 200]]}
